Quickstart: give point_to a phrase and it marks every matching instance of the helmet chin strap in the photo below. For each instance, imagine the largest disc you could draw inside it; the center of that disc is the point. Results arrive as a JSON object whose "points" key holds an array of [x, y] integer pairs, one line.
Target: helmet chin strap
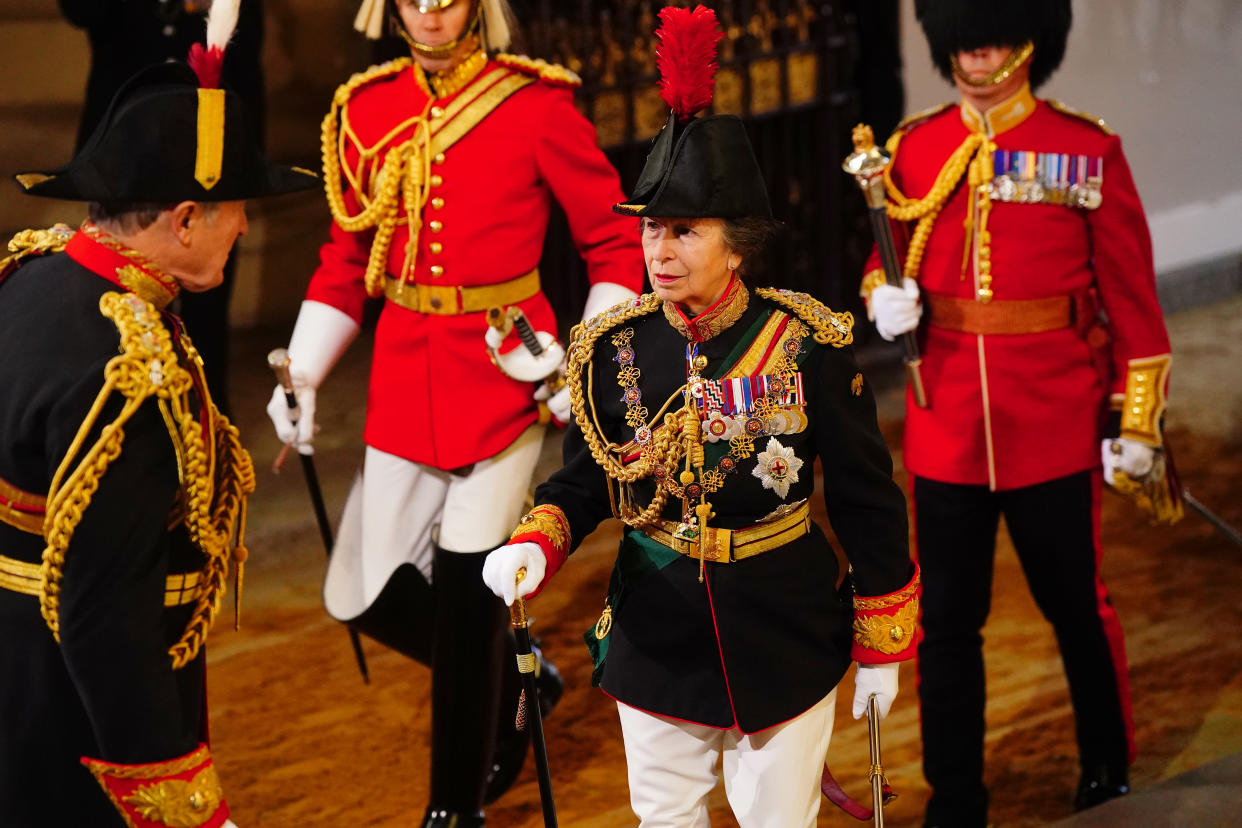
{"points": [[444, 50], [1001, 73]]}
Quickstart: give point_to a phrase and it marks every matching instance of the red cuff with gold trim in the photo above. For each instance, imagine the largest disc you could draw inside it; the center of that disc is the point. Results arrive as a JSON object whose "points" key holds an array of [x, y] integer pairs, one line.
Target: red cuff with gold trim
{"points": [[180, 793], [886, 627], [547, 526]]}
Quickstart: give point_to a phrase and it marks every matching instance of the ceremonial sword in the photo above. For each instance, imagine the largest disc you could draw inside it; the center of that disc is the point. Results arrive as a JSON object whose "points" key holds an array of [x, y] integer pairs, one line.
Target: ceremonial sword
{"points": [[867, 164], [278, 361], [526, 661], [881, 791], [1211, 517]]}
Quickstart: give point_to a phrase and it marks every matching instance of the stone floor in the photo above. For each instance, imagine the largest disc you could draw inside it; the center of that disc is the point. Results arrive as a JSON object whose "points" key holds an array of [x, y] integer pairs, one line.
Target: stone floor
{"points": [[302, 742]]}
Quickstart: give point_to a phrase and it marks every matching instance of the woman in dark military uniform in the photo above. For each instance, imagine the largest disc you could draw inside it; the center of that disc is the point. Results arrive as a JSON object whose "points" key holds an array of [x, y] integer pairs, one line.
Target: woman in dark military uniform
{"points": [[122, 487], [698, 412]]}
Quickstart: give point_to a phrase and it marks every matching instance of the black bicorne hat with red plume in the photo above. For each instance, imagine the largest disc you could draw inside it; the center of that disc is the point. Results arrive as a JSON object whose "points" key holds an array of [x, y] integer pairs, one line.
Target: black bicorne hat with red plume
{"points": [[172, 134], [697, 167], [953, 26]]}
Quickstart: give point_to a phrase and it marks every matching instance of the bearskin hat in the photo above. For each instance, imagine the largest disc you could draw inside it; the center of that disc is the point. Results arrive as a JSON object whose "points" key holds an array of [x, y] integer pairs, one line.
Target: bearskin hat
{"points": [[954, 26]]}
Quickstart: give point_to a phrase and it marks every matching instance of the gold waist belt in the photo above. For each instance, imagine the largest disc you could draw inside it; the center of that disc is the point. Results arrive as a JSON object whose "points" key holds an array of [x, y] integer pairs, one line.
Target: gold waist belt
{"points": [[25, 578], [1015, 316], [727, 545], [450, 300], [21, 509]]}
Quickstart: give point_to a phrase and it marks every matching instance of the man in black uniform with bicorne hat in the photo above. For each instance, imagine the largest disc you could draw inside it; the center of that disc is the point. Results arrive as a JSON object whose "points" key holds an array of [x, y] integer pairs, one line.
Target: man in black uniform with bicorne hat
{"points": [[122, 487]]}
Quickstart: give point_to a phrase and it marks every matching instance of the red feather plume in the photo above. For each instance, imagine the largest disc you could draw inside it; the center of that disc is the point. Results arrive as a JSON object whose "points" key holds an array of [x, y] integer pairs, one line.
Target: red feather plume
{"points": [[207, 64], [686, 58]]}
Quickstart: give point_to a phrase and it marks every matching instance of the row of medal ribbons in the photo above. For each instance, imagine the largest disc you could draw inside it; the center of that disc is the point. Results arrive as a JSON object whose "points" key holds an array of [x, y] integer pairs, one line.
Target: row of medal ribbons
{"points": [[1031, 177]]}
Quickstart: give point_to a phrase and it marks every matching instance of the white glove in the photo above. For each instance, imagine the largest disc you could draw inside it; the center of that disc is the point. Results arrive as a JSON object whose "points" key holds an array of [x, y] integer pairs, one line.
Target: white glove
{"points": [[896, 310], [558, 403], [602, 296], [502, 565], [1130, 456], [320, 336], [880, 679], [228, 823]]}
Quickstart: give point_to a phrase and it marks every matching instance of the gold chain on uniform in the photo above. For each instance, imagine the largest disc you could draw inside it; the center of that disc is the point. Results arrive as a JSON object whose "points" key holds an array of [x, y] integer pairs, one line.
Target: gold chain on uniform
{"points": [[215, 477]]}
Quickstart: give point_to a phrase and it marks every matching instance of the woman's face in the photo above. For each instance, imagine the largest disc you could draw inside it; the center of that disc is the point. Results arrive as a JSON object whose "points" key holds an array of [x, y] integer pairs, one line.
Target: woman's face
{"points": [[688, 261]]}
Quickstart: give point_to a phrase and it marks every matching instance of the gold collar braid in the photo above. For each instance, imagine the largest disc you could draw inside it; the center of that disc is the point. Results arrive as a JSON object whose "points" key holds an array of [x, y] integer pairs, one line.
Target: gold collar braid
{"points": [[216, 473], [716, 319]]}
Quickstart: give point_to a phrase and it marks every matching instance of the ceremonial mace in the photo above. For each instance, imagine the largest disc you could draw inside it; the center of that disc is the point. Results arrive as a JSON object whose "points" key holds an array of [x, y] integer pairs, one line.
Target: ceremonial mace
{"points": [[534, 714], [278, 361], [867, 164]]}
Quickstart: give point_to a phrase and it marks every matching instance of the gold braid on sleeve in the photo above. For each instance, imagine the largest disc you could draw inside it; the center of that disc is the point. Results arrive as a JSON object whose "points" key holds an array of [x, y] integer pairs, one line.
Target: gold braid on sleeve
{"points": [[402, 182], [215, 472]]}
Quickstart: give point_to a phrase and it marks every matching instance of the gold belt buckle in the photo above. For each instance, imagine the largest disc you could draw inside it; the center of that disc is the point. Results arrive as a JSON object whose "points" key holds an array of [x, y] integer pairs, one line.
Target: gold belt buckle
{"points": [[715, 544]]}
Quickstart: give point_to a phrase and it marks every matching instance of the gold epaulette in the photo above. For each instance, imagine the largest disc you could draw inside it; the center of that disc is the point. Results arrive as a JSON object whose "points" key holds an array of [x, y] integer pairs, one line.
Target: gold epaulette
{"points": [[911, 121], [148, 367], [831, 328], [35, 243], [359, 79], [588, 330], [1098, 123], [552, 73]]}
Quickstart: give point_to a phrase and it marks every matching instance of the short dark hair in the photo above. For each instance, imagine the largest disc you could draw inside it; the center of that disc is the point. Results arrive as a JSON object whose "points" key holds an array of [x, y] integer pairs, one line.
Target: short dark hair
{"points": [[748, 237], [135, 216]]}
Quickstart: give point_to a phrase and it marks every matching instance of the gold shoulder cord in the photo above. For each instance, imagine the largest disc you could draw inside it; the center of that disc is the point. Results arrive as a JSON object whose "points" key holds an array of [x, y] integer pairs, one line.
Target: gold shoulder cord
{"points": [[215, 492], [664, 449], [406, 169], [831, 328]]}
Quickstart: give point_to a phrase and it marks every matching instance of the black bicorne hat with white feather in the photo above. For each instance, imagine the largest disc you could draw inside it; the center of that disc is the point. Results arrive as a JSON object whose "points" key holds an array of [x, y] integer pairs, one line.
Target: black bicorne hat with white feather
{"points": [[954, 26]]}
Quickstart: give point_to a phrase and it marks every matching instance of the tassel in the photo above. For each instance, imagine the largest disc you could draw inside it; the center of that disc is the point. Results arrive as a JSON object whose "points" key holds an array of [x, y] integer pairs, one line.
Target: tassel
{"points": [[686, 58]]}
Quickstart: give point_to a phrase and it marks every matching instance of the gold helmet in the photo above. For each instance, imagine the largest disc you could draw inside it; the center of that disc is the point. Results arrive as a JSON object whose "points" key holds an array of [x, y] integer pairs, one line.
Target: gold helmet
{"points": [[491, 18]]}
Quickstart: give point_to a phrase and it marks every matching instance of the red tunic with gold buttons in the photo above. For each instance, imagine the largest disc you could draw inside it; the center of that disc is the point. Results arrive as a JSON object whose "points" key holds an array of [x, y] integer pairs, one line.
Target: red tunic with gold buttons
{"points": [[480, 162], [1062, 223]]}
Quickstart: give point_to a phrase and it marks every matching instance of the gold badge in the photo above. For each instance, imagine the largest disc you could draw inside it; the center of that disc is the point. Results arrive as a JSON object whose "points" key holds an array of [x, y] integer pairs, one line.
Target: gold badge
{"points": [[857, 384]]}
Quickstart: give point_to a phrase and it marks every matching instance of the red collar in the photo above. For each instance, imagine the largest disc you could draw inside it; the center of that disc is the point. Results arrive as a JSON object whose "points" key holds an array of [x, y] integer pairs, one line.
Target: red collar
{"points": [[128, 269], [718, 318]]}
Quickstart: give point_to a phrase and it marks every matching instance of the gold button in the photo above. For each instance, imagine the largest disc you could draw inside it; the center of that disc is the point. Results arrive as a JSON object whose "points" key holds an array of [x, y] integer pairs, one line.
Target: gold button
{"points": [[436, 226], [437, 270], [436, 247], [435, 302], [439, 159], [436, 181], [437, 202], [437, 112]]}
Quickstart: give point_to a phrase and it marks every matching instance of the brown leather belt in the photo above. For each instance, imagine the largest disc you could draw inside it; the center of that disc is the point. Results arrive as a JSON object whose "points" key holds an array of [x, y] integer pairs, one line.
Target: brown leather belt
{"points": [[1015, 316], [728, 545], [450, 300], [23, 577]]}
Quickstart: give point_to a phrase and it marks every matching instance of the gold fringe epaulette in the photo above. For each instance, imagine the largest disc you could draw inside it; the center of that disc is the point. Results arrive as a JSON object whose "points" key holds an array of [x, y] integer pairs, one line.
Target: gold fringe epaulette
{"points": [[1098, 123], [359, 79], [216, 473], [831, 328], [29, 243], [552, 73]]}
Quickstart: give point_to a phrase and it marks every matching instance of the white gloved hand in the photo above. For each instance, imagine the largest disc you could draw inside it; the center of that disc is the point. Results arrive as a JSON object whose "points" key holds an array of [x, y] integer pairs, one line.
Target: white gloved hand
{"points": [[320, 336], [602, 296], [228, 823], [1130, 456], [880, 679], [558, 403], [502, 565], [896, 310]]}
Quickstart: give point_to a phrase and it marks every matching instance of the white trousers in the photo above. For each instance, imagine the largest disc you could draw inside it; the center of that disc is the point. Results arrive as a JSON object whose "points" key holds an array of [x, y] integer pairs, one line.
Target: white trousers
{"points": [[771, 778], [397, 510]]}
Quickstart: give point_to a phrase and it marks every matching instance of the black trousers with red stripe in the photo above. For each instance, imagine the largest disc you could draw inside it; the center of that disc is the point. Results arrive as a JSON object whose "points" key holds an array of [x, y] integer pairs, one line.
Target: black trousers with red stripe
{"points": [[1055, 530]]}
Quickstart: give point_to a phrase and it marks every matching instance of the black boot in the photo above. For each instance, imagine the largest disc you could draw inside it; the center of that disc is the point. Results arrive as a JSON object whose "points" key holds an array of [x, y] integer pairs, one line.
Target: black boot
{"points": [[1099, 784], [445, 819], [513, 743], [467, 658], [403, 615]]}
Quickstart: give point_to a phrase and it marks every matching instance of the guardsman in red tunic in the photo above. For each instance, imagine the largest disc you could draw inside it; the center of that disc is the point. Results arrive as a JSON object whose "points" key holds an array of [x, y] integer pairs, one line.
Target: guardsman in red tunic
{"points": [[122, 487], [1024, 233], [440, 171]]}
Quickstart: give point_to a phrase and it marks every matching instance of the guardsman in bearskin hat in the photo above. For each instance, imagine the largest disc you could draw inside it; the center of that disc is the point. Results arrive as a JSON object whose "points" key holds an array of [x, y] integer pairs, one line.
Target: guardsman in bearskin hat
{"points": [[1025, 233], [440, 171], [698, 412], [122, 487]]}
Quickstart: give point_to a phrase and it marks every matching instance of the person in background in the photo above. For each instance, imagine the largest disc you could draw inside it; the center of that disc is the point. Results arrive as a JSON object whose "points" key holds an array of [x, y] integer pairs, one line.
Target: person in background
{"points": [[440, 170], [1025, 234]]}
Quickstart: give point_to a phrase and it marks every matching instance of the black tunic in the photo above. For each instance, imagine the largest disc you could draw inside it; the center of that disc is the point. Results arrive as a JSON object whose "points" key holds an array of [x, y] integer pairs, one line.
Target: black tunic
{"points": [[108, 689], [763, 639]]}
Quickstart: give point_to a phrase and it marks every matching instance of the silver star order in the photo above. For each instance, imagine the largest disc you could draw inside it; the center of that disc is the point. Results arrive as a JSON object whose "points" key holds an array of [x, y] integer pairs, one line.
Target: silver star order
{"points": [[777, 468]]}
